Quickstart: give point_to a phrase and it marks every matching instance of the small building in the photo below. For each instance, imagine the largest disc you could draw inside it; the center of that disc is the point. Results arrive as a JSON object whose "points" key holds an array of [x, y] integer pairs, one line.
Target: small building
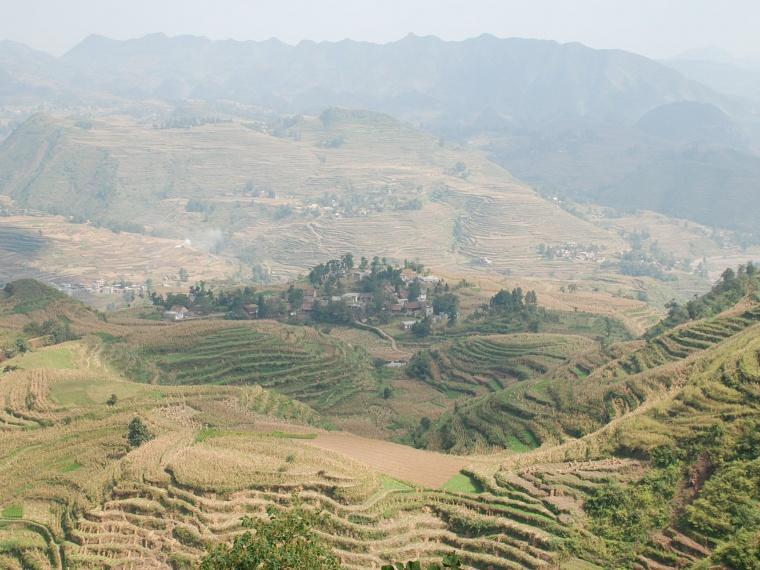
{"points": [[407, 325], [419, 308], [307, 306], [366, 298], [429, 279], [310, 294], [176, 313], [350, 298], [408, 275]]}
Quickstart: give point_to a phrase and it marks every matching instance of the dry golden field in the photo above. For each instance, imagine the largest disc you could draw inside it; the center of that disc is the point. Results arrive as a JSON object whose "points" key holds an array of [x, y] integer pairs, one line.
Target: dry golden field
{"points": [[81, 253]]}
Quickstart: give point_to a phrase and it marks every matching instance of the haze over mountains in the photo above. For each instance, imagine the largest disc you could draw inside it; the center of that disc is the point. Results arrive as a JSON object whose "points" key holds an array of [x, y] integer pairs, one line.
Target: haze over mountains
{"points": [[527, 81], [591, 124]]}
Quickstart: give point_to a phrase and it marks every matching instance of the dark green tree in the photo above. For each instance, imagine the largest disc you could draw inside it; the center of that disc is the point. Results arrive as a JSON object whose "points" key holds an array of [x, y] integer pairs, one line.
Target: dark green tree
{"points": [[138, 433], [422, 328], [447, 303], [414, 290], [420, 365], [22, 345], [295, 297]]}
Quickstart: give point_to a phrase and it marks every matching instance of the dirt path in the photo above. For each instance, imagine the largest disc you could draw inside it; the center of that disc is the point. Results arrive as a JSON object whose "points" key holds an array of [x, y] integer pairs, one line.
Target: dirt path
{"points": [[379, 332], [425, 468]]}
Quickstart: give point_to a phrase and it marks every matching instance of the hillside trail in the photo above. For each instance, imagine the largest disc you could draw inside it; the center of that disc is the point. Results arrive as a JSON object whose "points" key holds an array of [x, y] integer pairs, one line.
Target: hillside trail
{"points": [[379, 332]]}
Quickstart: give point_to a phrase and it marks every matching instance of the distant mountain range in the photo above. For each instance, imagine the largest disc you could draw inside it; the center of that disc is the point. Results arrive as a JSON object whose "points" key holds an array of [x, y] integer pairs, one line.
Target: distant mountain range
{"points": [[598, 125], [527, 81]]}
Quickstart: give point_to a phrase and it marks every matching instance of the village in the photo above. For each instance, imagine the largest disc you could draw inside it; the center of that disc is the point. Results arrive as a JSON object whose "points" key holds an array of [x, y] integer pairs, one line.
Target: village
{"points": [[402, 293], [374, 293]]}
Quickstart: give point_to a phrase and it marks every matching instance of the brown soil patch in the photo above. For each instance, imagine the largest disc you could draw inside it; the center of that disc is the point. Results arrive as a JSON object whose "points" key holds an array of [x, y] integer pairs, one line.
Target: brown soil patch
{"points": [[406, 463]]}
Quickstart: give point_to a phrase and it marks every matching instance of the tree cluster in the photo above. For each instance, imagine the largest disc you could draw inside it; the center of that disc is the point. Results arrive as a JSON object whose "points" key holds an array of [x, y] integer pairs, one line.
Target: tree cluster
{"points": [[729, 290]]}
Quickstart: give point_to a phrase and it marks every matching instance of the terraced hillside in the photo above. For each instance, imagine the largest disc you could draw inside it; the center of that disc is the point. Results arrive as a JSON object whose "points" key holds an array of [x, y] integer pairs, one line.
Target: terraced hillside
{"points": [[302, 191], [79, 497], [696, 505], [585, 394], [476, 364], [53, 250], [295, 361], [666, 476]]}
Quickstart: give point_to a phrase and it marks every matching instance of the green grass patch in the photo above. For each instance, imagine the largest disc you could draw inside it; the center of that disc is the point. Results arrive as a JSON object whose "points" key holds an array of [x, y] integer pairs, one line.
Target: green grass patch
{"points": [[60, 358], [108, 338], [207, 433], [86, 392], [391, 484], [290, 435], [463, 483], [152, 316], [13, 512], [516, 445], [68, 465]]}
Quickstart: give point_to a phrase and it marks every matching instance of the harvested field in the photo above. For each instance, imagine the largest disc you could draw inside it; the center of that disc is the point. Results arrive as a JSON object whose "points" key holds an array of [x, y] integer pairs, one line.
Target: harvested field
{"points": [[80, 253], [424, 468]]}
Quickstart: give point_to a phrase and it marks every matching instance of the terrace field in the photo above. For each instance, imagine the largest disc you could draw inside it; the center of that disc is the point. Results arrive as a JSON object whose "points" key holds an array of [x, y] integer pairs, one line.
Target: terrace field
{"points": [[477, 364], [590, 390], [283, 197], [51, 249], [76, 495], [295, 361]]}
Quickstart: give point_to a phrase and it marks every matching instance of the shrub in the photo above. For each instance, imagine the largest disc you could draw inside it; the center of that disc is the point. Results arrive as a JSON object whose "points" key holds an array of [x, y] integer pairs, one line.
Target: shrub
{"points": [[283, 541], [138, 433]]}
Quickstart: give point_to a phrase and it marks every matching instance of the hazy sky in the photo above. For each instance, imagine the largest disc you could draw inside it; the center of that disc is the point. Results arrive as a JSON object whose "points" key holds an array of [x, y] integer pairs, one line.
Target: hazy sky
{"points": [[656, 28]]}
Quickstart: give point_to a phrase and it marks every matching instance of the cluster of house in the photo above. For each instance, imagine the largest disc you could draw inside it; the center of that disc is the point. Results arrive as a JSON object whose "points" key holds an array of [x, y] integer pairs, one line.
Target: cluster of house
{"points": [[123, 289], [99, 286], [573, 251], [401, 305]]}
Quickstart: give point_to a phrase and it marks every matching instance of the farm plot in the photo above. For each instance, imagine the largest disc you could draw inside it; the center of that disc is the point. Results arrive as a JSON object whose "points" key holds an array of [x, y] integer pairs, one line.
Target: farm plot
{"points": [[584, 394], [489, 363], [167, 519], [297, 362]]}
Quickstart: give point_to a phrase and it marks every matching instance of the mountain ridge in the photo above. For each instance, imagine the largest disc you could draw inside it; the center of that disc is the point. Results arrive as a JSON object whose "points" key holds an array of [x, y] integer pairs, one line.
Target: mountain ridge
{"points": [[530, 80]]}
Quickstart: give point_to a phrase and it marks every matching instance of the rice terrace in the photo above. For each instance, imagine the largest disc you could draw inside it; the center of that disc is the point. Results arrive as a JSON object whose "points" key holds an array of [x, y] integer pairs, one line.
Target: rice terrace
{"points": [[440, 300]]}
